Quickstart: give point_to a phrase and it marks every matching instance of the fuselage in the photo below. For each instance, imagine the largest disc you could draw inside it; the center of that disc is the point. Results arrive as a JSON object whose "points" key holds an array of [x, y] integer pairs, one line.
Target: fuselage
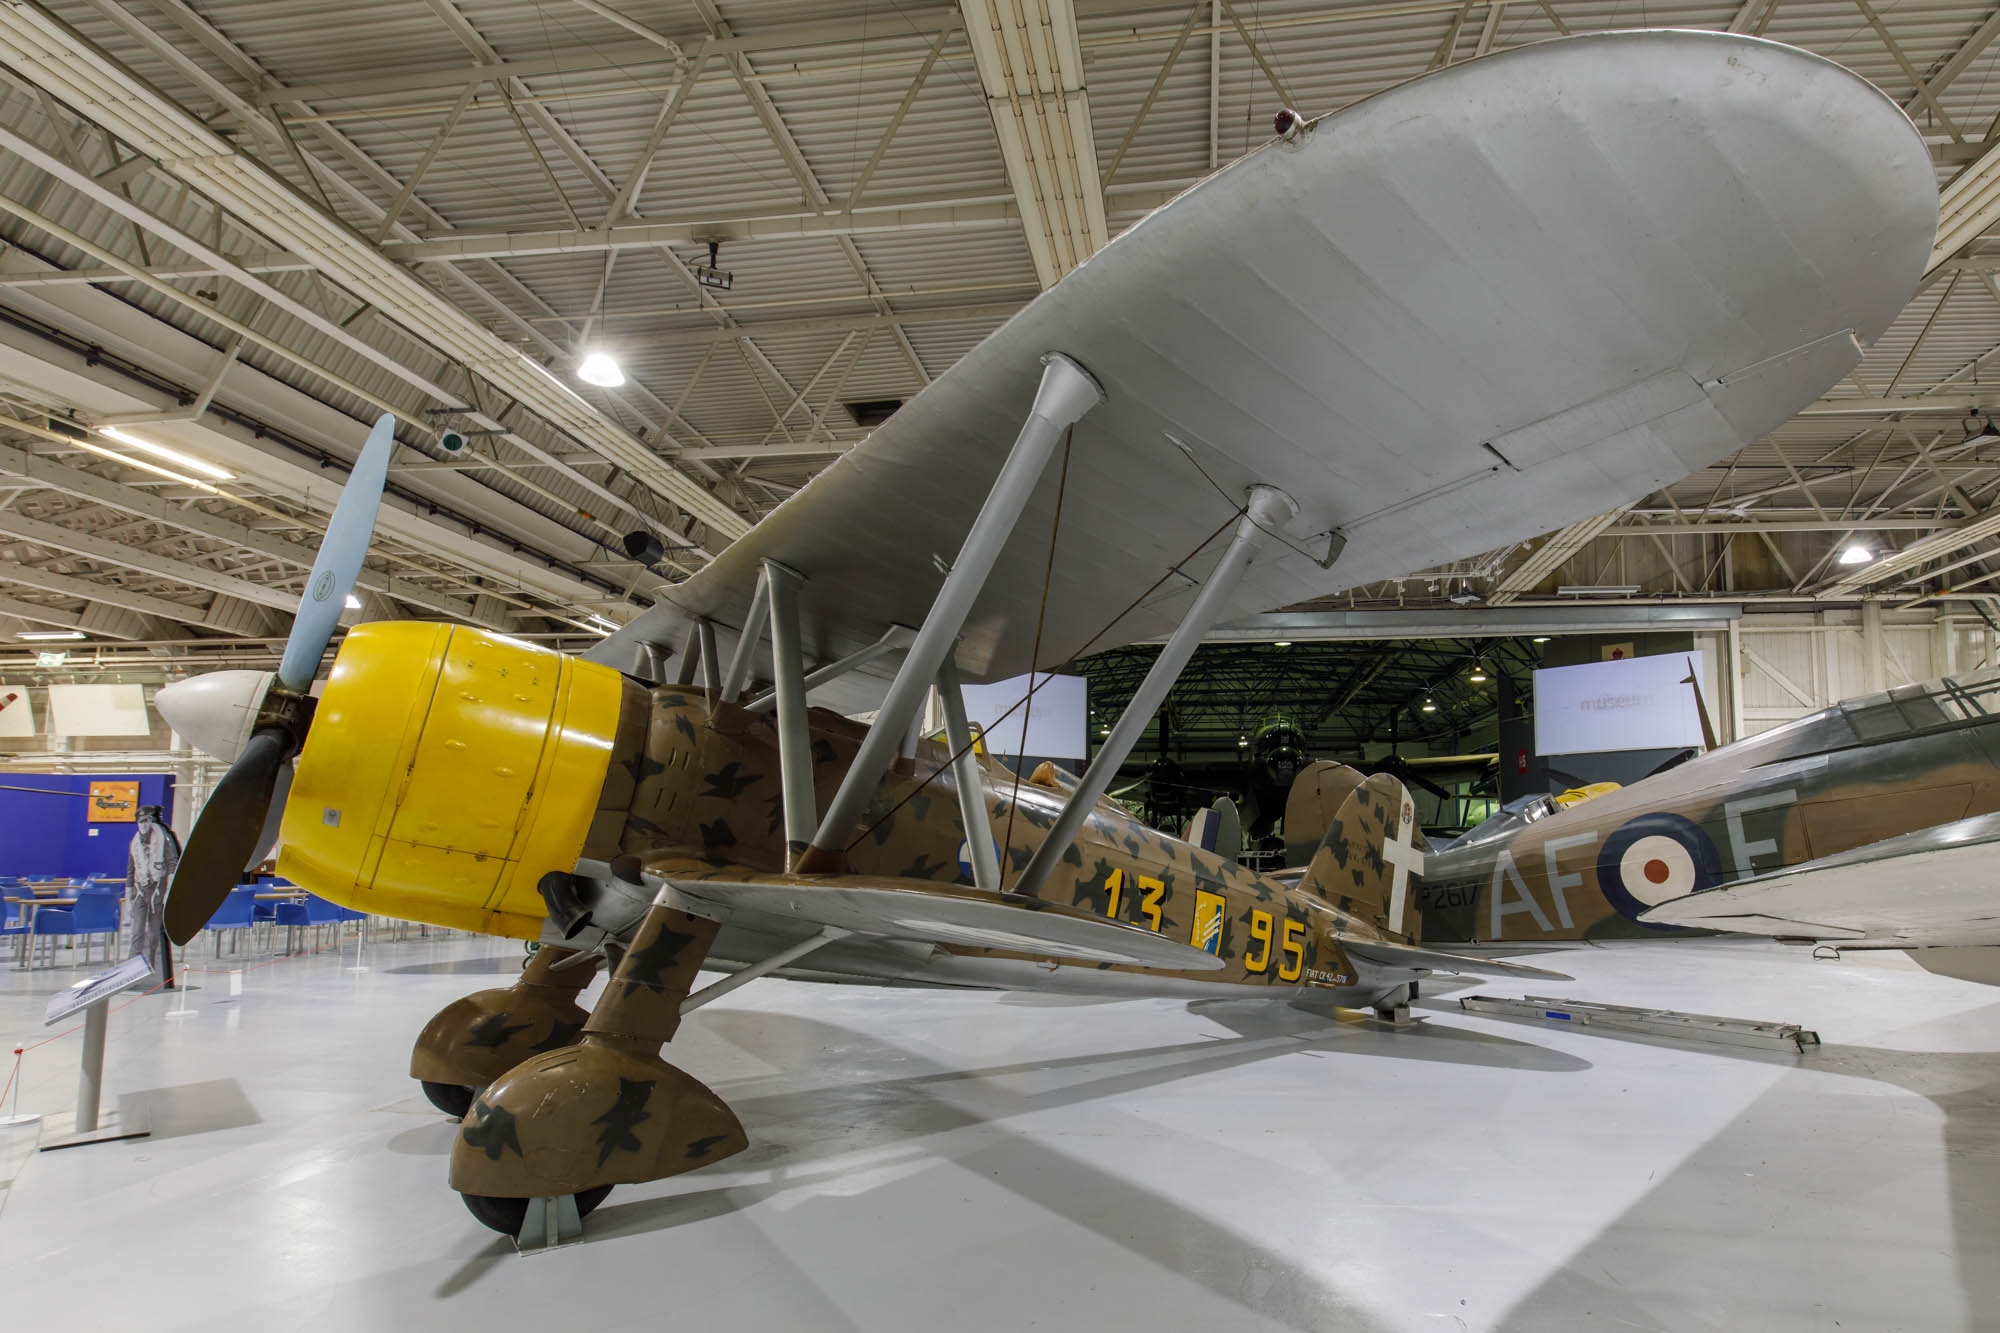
{"points": [[447, 770], [711, 786], [1864, 770]]}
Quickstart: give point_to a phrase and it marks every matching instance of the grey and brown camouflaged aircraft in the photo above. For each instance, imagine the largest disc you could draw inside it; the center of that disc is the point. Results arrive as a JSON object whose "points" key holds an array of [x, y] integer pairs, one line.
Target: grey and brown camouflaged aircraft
{"points": [[1502, 298], [1870, 824]]}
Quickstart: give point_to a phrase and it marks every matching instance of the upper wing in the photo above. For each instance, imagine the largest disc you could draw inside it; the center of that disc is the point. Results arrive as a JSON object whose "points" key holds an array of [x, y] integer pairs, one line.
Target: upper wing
{"points": [[910, 909], [1495, 300], [1932, 887]]}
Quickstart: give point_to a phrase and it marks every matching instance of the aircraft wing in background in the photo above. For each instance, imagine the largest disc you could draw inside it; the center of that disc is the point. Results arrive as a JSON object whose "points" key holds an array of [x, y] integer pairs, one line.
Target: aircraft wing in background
{"points": [[1934, 887]]}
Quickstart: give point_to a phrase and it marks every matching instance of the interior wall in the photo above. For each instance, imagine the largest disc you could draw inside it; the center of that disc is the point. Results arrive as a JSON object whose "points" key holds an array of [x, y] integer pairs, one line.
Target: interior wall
{"points": [[45, 830]]}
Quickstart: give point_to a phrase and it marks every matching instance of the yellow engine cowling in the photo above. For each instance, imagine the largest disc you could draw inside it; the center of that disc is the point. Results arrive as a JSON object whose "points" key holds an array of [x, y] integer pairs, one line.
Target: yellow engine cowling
{"points": [[448, 769]]}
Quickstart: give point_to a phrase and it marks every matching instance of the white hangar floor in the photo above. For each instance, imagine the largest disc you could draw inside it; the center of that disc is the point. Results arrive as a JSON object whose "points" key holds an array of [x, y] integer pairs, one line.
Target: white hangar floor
{"points": [[926, 1160]]}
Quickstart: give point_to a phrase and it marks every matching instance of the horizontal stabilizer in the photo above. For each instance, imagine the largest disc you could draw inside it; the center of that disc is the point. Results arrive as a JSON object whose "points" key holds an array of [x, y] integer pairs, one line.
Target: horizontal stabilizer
{"points": [[1930, 887], [910, 909], [1417, 959]]}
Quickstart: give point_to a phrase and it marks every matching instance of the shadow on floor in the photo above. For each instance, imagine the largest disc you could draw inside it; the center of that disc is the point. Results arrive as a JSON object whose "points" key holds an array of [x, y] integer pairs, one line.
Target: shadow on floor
{"points": [[1633, 1274], [197, 1108], [811, 1135], [500, 966]]}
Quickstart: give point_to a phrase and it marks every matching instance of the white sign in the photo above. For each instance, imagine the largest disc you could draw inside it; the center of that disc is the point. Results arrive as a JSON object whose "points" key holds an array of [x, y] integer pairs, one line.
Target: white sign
{"points": [[17, 717], [1056, 730], [99, 710], [1643, 703]]}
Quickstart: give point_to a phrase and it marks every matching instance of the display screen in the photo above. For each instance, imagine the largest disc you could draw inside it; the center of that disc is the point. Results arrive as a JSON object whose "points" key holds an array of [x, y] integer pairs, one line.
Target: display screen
{"points": [[1641, 703], [1055, 730]]}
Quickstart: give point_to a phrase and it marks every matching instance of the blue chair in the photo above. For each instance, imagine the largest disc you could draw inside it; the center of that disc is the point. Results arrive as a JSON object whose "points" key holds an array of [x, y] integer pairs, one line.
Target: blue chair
{"points": [[95, 916], [237, 912]]}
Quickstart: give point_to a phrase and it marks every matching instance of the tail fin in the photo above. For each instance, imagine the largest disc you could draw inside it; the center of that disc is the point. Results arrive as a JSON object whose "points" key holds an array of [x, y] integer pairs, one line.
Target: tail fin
{"points": [[1315, 799], [1370, 856], [1218, 829]]}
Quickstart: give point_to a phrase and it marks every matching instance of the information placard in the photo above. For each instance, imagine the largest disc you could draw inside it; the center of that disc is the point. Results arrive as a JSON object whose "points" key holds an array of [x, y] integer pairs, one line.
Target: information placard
{"points": [[134, 971]]}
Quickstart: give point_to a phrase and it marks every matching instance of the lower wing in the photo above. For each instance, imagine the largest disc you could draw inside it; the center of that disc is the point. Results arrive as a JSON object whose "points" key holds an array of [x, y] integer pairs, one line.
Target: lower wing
{"points": [[888, 907], [1415, 958]]}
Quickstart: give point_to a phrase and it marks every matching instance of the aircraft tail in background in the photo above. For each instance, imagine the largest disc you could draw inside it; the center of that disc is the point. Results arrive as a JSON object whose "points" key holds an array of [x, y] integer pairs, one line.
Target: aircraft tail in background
{"points": [[1370, 853]]}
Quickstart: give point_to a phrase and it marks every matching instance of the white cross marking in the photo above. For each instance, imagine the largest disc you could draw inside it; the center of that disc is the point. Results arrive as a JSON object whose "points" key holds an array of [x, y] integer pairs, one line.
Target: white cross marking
{"points": [[1398, 851]]}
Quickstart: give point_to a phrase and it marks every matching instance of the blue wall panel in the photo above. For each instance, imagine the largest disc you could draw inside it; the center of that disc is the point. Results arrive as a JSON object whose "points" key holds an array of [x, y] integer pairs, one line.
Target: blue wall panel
{"points": [[44, 831]]}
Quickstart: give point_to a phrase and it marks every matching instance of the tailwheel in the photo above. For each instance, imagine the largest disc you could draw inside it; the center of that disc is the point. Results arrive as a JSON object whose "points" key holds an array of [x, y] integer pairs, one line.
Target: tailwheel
{"points": [[507, 1216], [450, 1098]]}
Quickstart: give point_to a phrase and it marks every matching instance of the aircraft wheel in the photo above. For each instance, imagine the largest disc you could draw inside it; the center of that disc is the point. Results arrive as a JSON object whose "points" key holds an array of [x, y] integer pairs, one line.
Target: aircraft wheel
{"points": [[450, 1098], [506, 1215]]}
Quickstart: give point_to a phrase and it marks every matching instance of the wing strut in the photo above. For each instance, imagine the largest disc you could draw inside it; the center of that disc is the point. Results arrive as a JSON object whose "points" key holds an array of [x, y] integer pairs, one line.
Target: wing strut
{"points": [[743, 976], [690, 656], [894, 639], [711, 662], [788, 675], [1067, 391], [748, 639], [1266, 511], [979, 846]]}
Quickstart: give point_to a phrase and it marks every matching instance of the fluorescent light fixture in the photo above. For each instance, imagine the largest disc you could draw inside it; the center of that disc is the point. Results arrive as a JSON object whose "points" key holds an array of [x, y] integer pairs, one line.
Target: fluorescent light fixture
{"points": [[599, 624], [188, 461], [353, 602], [1856, 554], [1242, 742], [1541, 638], [1598, 590], [1281, 643], [1478, 677], [601, 369], [1430, 707], [50, 635]]}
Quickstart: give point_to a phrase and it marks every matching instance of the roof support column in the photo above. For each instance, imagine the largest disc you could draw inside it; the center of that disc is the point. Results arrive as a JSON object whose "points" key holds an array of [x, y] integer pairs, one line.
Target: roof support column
{"points": [[1267, 511], [1066, 393]]}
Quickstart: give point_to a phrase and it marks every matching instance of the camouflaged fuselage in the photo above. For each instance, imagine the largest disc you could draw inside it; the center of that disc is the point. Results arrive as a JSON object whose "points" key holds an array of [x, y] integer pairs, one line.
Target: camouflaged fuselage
{"points": [[707, 784], [1829, 782]]}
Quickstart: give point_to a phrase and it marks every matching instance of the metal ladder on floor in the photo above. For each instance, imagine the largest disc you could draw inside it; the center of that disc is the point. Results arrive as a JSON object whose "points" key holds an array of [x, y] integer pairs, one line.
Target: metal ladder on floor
{"points": [[1651, 1022]]}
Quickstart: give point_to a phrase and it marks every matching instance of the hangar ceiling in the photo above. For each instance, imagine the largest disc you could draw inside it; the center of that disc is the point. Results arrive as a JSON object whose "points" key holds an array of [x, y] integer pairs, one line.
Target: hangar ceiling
{"points": [[244, 227]]}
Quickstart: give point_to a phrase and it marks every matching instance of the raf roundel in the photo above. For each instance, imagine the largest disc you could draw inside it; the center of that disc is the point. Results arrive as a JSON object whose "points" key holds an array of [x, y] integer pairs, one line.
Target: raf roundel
{"points": [[1653, 858]]}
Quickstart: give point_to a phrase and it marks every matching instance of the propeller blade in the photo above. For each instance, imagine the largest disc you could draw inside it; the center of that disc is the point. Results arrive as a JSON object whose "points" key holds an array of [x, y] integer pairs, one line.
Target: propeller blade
{"points": [[225, 836], [339, 560], [281, 791]]}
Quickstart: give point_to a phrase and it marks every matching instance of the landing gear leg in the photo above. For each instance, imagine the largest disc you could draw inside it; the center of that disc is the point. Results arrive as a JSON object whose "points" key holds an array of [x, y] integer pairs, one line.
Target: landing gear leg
{"points": [[1394, 1008], [606, 1110], [475, 1040]]}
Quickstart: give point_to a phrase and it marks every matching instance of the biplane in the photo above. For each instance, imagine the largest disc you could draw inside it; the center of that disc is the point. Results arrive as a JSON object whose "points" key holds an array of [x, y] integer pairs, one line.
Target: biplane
{"points": [[1496, 300]]}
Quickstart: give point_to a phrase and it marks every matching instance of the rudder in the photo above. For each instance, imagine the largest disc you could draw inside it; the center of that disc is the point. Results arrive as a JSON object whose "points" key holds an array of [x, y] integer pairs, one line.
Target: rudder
{"points": [[1312, 804], [1368, 857]]}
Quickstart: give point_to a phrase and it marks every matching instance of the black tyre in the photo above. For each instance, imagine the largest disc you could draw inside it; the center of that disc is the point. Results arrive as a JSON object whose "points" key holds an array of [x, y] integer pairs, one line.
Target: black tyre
{"points": [[506, 1215], [450, 1098]]}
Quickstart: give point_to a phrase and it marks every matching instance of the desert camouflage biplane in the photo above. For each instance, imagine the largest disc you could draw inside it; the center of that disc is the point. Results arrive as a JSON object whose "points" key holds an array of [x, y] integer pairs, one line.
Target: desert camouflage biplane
{"points": [[1496, 300]]}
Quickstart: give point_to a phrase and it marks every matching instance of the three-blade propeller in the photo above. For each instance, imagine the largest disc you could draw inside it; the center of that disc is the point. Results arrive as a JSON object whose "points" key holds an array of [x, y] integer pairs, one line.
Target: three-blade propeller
{"points": [[230, 831]]}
